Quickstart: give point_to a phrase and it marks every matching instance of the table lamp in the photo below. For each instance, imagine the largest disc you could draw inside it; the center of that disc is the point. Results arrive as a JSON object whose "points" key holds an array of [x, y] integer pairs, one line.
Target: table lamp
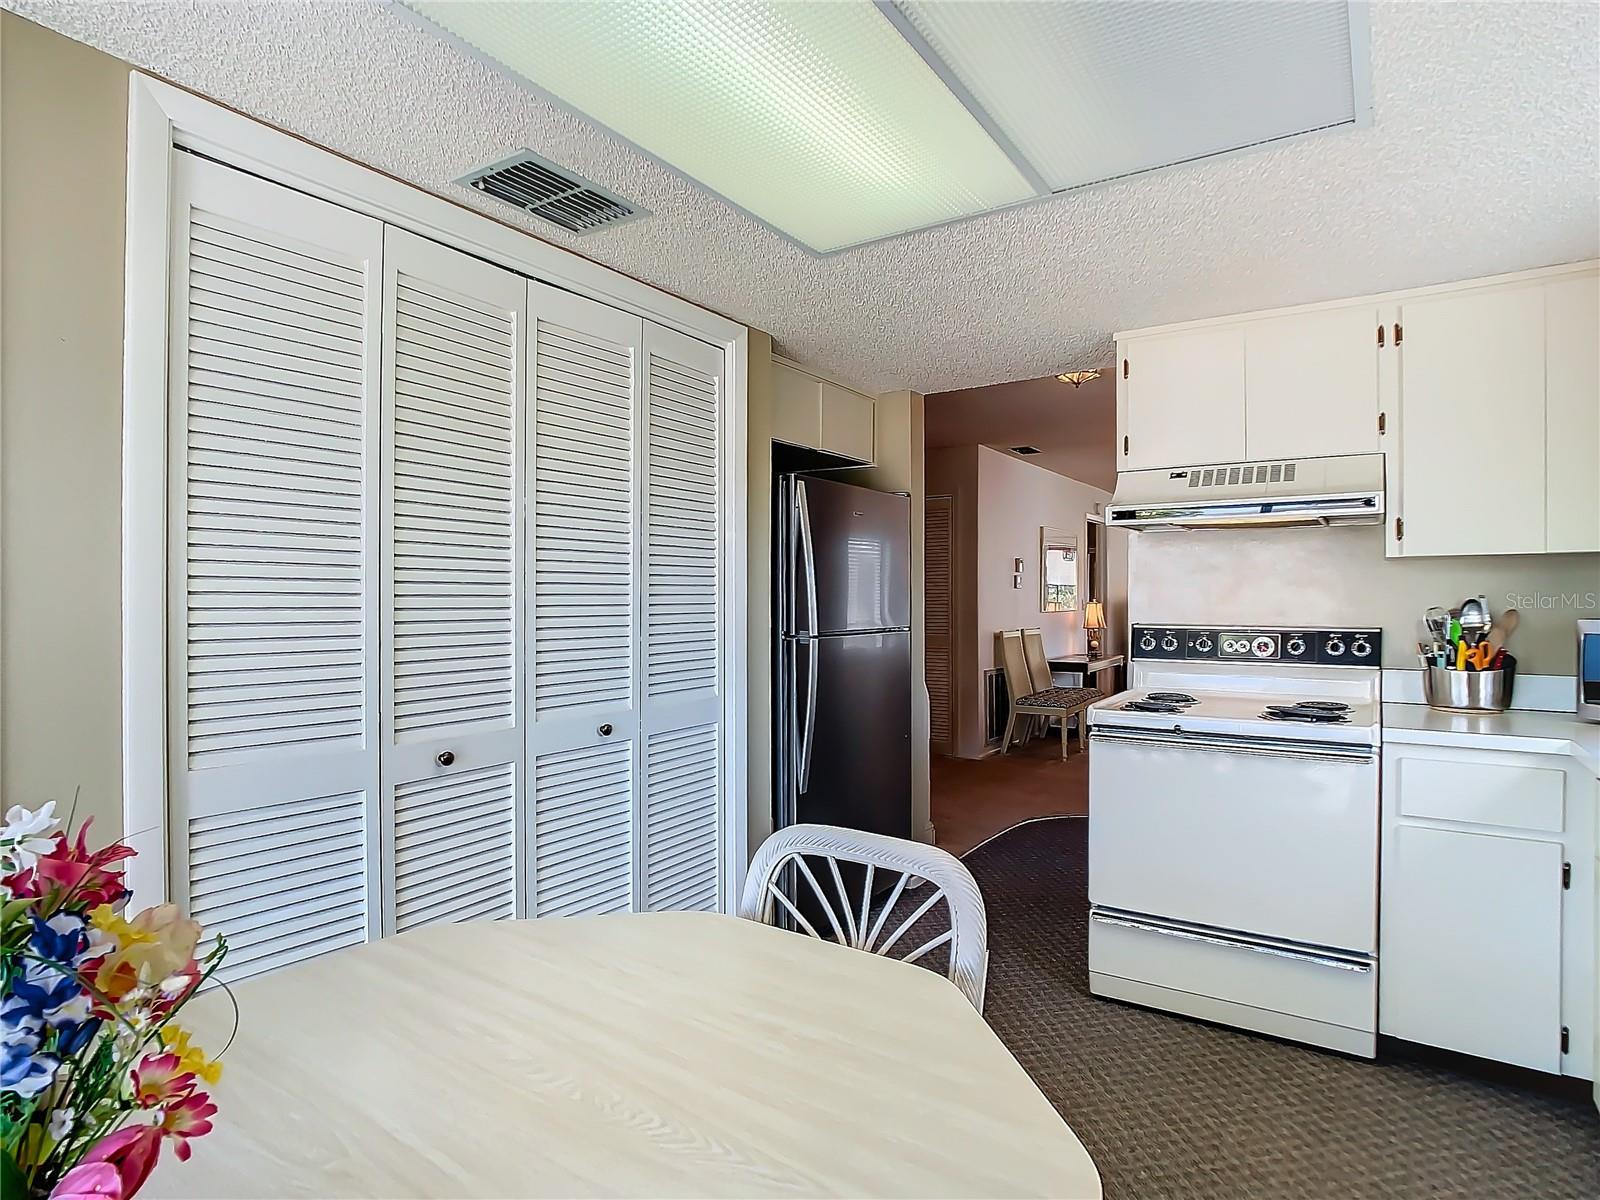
{"points": [[1094, 622]]}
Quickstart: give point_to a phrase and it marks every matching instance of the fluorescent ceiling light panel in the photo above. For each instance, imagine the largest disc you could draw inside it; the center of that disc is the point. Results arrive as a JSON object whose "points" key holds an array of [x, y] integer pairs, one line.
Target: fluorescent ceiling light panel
{"points": [[817, 118], [1097, 89]]}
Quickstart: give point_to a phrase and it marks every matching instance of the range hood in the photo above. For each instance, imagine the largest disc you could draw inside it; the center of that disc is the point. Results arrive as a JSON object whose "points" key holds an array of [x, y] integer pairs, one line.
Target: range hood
{"points": [[1342, 490]]}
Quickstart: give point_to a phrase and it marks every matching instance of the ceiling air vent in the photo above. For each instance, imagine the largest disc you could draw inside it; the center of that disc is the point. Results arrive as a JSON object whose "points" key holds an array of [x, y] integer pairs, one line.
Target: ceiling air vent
{"points": [[1026, 450], [536, 185]]}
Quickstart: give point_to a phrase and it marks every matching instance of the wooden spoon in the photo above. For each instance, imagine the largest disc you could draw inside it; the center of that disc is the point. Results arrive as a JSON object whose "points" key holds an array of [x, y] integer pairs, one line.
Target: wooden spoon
{"points": [[1506, 626]]}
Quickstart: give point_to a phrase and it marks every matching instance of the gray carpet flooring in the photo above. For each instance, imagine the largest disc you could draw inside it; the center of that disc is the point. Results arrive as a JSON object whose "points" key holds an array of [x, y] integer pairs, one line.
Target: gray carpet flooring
{"points": [[1175, 1108]]}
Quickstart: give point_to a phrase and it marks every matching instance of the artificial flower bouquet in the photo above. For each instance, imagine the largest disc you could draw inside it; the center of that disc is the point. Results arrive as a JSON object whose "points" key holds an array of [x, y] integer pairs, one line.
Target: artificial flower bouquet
{"points": [[95, 1077]]}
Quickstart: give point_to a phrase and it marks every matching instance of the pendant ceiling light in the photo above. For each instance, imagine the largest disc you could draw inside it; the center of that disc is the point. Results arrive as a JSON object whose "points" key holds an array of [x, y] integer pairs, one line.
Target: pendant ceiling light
{"points": [[1078, 378]]}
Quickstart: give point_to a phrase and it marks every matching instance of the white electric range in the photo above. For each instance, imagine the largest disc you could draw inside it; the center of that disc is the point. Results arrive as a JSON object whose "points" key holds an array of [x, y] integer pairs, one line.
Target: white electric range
{"points": [[1233, 830]]}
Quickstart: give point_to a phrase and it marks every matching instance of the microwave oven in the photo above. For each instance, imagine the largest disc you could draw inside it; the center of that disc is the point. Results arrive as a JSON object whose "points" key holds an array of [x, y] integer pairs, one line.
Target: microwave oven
{"points": [[1589, 670]]}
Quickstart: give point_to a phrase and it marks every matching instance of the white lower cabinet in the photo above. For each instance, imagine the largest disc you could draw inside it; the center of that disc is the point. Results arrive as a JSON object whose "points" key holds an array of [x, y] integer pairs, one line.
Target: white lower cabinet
{"points": [[1487, 906]]}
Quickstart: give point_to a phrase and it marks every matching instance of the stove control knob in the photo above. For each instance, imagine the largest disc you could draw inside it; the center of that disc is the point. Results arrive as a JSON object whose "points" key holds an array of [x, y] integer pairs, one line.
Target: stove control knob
{"points": [[1264, 647], [1169, 643], [1360, 647], [1203, 643], [1147, 642], [1295, 647], [1334, 646]]}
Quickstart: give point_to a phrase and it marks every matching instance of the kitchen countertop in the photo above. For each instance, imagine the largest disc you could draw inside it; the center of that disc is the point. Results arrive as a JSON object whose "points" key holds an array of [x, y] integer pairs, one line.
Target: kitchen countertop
{"points": [[1517, 729]]}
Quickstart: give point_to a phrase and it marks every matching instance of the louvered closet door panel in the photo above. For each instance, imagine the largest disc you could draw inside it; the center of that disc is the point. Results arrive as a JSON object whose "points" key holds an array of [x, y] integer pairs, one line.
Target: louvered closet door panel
{"points": [[682, 803], [272, 579], [582, 667], [454, 380]]}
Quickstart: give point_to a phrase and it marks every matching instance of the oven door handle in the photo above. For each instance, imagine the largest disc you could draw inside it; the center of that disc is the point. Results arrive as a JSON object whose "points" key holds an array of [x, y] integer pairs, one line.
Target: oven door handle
{"points": [[1359, 966], [1225, 745]]}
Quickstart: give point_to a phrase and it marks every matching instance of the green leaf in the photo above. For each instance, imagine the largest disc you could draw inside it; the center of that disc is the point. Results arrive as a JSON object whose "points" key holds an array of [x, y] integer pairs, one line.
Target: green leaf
{"points": [[13, 1183]]}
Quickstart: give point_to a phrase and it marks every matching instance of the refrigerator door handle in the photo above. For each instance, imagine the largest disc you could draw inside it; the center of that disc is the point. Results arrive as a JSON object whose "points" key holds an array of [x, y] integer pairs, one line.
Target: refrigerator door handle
{"points": [[808, 550], [808, 731]]}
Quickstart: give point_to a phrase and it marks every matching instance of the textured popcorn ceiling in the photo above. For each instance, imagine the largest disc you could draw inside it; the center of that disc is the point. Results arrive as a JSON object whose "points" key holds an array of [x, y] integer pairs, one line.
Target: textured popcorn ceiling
{"points": [[1483, 156]]}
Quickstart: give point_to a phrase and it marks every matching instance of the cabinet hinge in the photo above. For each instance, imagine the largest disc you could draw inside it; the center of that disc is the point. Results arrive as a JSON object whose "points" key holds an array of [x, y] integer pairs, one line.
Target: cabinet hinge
{"points": [[1380, 336], [1399, 332], [1566, 877], [1566, 1039], [1124, 443], [1383, 422], [1399, 529]]}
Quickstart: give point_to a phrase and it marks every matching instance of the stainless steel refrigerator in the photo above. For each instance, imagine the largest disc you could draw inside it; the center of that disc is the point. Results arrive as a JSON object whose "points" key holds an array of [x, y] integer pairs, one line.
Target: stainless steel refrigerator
{"points": [[843, 711]]}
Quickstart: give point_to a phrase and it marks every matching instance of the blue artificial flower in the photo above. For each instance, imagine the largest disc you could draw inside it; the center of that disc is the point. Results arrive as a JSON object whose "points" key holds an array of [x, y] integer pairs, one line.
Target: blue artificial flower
{"points": [[71, 1038], [63, 937], [21, 1070], [43, 987]]}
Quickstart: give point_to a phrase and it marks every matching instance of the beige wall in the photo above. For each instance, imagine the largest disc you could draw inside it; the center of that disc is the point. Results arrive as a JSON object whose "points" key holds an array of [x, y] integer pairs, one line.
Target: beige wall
{"points": [[63, 135], [901, 468], [1340, 576]]}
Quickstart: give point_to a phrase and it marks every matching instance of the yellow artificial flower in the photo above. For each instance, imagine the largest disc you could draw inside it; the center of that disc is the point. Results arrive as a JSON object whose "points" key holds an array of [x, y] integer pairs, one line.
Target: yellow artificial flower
{"points": [[190, 1057], [153, 945]]}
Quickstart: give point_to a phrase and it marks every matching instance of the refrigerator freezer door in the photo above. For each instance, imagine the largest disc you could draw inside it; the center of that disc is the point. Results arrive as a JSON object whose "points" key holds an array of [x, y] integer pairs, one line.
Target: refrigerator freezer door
{"points": [[854, 694], [852, 559]]}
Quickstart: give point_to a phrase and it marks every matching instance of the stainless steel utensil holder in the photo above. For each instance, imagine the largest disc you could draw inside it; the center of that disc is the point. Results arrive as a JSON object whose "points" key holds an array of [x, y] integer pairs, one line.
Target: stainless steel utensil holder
{"points": [[1465, 691]]}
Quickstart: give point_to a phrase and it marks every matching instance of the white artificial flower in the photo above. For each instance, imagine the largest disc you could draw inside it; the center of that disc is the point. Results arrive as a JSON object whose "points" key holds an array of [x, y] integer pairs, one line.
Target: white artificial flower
{"points": [[61, 1122], [23, 837]]}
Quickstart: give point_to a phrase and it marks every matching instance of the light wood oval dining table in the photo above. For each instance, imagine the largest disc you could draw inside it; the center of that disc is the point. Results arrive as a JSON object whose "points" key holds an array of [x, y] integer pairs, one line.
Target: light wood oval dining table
{"points": [[655, 1054]]}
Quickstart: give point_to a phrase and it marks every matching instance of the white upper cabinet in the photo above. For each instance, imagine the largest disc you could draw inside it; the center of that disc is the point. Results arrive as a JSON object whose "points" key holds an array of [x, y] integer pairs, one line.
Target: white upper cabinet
{"points": [[1572, 414], [819, 415], [1180, 399], [1472, 430], [1311, 384]]}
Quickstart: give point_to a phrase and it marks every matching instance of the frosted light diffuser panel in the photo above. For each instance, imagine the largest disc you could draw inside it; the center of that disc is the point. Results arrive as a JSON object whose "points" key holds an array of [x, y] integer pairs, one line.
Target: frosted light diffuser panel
{"points": [[1096, 89], [817, 118]]}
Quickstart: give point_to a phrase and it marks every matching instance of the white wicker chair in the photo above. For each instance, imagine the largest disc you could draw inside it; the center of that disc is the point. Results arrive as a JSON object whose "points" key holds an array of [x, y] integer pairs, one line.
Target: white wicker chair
{"points": [[855, 920]]}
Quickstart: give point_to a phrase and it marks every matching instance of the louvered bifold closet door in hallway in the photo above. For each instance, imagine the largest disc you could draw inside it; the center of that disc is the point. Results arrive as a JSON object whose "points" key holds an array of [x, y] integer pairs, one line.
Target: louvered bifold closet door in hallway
{"points": [[681, 801], [453, 383], [583, 616], [272, 567]]}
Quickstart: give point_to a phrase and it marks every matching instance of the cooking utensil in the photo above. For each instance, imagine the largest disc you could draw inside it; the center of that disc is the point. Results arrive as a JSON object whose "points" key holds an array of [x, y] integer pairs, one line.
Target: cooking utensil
{"points": [[1437, 620], [1475, 620], [1461, 656], [1480, 657], [1507, 625]]}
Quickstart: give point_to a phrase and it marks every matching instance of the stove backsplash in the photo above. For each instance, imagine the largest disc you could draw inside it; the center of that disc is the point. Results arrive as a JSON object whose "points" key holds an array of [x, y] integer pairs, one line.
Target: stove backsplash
{"points": [[1339, 577]]}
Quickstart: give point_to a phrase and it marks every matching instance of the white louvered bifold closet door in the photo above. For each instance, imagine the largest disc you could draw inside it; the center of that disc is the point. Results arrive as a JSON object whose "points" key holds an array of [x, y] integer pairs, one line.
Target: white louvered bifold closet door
{"points": [[272, 575], [681, 796], [453, 385], [582, 584], [936, 618]]}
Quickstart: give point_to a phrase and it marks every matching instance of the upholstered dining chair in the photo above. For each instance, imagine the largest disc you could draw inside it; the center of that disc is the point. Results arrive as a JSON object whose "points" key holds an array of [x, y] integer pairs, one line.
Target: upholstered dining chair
{"points": [[1027, 702], [860, 915]]}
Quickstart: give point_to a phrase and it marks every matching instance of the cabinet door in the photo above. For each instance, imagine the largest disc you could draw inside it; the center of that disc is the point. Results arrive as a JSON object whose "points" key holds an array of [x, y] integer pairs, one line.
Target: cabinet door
{"points": [[797, 407], [1311, 384], [272, 586], [1465, 966], [681, 804], [847, 423], [1182, 401], [582, 611], [454, 380], [1472, 386], [1572, 406]]}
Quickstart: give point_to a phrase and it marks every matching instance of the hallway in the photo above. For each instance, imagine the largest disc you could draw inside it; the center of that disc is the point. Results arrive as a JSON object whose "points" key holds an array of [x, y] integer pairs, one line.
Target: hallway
{"points": [[974, 799]]}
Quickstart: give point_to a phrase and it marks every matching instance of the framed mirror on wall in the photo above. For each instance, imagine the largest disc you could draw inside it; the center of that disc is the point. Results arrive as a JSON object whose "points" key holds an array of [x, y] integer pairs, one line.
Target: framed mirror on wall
{"points": [[1059, 586]]}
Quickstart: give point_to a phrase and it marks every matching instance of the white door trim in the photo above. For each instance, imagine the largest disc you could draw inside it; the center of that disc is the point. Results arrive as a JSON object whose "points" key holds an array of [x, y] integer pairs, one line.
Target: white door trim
{"points": [[160, 117]]}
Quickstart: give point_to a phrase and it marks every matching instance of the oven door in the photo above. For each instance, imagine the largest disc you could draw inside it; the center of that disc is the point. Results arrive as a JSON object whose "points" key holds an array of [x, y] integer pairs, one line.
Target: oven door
{"points": [[1271, 837]]}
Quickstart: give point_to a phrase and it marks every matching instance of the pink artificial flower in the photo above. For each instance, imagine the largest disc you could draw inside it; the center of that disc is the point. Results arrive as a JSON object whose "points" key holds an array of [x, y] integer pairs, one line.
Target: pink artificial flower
{"points": [[89, 1181], [159, 1080], [132, 1151], [92, 877], [188, 1118]]}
